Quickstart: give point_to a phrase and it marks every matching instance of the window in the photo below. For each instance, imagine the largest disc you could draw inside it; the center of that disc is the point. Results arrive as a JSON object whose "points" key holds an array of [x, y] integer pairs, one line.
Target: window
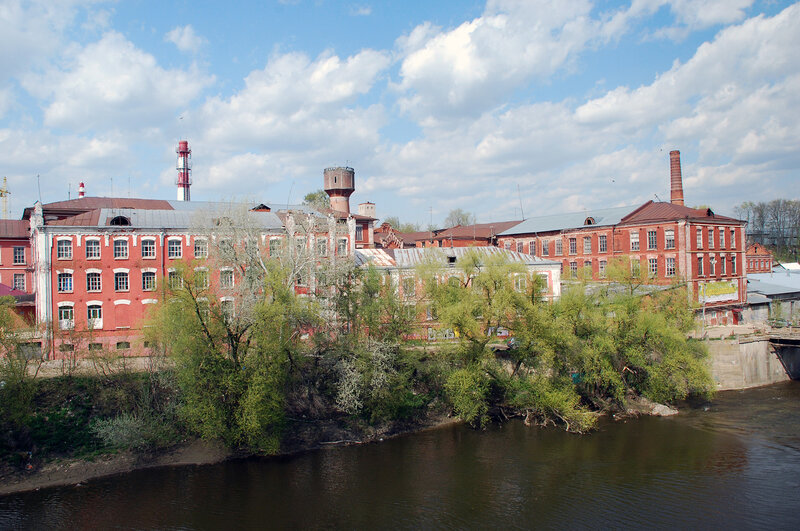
{"points": [[587, 245], [636, 267], [66, 347], [699, 238], [64, 250], [587, 266], [359, 233], [66, 318], [341, 246], [226, 278], [123, 345], [520, 247], [95, 346], [94, 314], [733, 265], [722, 264], [573, 246], [545, 247], [710, 238], [559, 247], [19, 281], [573, 269], [226, 305], [299, 244], [19, 255], [174, 280], [148, 281], [93, 282], [201, 278], [699, 266], [634, 240], [603, 243], [652, 267], [121, 282], [670, 267], [148, 248], [669, 239], [721, 238], [200, 248], [274, 246], [652, 239], [712, 261], [520, 283], [601, 268], [120, 249], [92, 249], [532, 248], [65, 282], [174, 249], [409, 287], [733, 238], [506, 245], [322, 247]]}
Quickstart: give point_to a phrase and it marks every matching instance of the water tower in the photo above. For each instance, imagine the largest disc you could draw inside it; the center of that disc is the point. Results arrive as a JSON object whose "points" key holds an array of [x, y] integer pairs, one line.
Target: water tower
{"points": [[340, 183], [184, 167]]}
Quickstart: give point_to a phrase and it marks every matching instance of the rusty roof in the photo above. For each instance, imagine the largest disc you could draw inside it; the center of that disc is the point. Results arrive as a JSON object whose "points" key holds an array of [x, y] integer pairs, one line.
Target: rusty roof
{"points": [[72, 207], [483, 231], [663, 211], [14, 228], [408, 258]]}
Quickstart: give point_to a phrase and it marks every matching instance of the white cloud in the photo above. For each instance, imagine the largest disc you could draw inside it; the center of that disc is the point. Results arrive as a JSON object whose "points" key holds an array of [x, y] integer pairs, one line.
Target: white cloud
{"points": [[185, 38], [360, 10], [113, 84]]}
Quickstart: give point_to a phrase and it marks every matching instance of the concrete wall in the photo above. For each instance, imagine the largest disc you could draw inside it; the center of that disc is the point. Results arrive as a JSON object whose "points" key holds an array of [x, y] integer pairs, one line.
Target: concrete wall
{"points": [[736, 365]]}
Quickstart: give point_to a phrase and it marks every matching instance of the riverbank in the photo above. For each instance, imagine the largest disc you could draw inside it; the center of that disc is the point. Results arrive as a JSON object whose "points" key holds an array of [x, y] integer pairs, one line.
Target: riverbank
{"points": [[300, 437]]}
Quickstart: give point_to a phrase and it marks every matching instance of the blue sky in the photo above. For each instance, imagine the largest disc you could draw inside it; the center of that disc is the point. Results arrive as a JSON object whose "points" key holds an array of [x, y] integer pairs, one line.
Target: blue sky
{"points": [[562, 106]]}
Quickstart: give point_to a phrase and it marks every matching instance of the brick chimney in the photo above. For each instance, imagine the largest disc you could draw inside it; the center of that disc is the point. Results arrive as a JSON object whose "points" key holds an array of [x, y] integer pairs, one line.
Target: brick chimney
{"points": [[676, 181]]}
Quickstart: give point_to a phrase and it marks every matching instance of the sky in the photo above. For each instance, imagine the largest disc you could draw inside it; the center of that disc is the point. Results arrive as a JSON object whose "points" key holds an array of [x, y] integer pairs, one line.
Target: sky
{"points": [[505, 109]]}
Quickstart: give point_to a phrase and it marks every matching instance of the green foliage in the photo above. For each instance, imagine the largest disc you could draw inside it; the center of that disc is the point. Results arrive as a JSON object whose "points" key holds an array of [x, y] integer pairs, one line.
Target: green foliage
{"points": [[317, 199], [468, 392]]}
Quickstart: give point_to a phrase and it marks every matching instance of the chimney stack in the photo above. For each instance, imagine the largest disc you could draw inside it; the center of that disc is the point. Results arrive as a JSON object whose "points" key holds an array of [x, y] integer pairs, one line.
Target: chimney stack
{"points": [[81, 190], [184, 167], [676, 181]]}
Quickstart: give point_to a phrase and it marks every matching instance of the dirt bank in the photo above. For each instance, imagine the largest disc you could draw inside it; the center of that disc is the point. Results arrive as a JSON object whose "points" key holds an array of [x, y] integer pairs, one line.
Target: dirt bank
{"points": [[300, 437]]}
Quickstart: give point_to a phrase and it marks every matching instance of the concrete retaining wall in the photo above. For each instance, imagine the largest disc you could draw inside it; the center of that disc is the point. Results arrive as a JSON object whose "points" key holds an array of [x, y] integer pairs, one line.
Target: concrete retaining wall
{"points": [[751, 363]]}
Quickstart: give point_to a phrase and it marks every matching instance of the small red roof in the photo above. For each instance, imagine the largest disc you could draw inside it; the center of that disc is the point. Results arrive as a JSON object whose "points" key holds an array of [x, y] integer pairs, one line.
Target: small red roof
{"points": [[14, 228], [8, 290], [85, 219], [481, 231]]}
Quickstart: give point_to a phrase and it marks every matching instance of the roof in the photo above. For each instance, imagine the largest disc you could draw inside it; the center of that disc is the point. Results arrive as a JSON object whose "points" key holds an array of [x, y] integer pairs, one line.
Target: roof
{"points": [[571, 220], [663, 211], [138, 218], [408, 258], [14, 228], [84, 204], [482, 231], [6, 290], [774, 283]]}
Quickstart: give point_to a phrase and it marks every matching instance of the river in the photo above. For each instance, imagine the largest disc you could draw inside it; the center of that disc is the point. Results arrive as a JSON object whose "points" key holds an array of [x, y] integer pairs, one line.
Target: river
{"points": [[732, 463]]}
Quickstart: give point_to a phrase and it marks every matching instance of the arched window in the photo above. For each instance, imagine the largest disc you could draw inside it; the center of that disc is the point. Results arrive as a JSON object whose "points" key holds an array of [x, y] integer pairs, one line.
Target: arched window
{"points": [[120, 220]]}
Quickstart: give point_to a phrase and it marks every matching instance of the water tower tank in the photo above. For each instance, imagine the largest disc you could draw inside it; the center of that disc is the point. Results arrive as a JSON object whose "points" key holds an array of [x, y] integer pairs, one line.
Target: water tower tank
{"points": [[340, 183]]}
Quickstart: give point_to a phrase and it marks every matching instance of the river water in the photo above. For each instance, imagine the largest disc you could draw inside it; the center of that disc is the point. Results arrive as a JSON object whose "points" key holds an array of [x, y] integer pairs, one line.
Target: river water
{"points": [[733, 463]]}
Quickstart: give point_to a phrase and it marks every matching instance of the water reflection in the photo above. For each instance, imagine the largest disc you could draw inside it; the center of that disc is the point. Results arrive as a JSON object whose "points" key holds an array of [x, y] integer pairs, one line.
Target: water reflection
{"points": [[736, 464]]}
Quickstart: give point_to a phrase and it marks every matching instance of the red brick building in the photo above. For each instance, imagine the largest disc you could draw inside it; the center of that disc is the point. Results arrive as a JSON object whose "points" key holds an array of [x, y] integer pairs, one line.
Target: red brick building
{"points": [[668, 240], [759, 259], [15, 255]]}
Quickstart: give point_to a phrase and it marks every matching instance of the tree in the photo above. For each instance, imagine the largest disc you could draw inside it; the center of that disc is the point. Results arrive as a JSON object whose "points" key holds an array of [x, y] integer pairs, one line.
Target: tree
{"points": [[317, 199], [16, 383], [394, 221], [458, 217]]}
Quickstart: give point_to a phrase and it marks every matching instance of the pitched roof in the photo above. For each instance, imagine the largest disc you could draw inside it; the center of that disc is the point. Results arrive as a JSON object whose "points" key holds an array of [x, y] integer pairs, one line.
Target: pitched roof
{"points": [[14, 228], [570, 220], [408, 258], [663, 211], [166, 219], [84, 204], [482, 231]]}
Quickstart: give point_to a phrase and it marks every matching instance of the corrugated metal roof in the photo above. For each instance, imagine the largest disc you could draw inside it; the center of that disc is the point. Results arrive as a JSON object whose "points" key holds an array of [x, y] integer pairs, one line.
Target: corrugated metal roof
{"points": [[408, 258], [774, 283], [14, 228], [167, 219], [571, 220]]}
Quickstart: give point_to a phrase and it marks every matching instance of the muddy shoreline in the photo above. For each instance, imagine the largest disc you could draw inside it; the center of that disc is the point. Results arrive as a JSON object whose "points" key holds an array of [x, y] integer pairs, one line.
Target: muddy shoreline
{"points": [[301, 438]]}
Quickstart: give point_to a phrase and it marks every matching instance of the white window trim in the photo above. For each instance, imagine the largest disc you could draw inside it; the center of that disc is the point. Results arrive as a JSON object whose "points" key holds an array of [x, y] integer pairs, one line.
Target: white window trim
{"points": [[66, 303], [121, 301], [94, 270], [149, 270], [149, 301], [121, 270]]}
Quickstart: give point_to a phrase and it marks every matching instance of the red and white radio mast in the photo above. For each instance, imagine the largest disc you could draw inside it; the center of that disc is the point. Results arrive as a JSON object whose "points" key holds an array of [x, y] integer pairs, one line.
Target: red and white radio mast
{"points": [[184, 167]]}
